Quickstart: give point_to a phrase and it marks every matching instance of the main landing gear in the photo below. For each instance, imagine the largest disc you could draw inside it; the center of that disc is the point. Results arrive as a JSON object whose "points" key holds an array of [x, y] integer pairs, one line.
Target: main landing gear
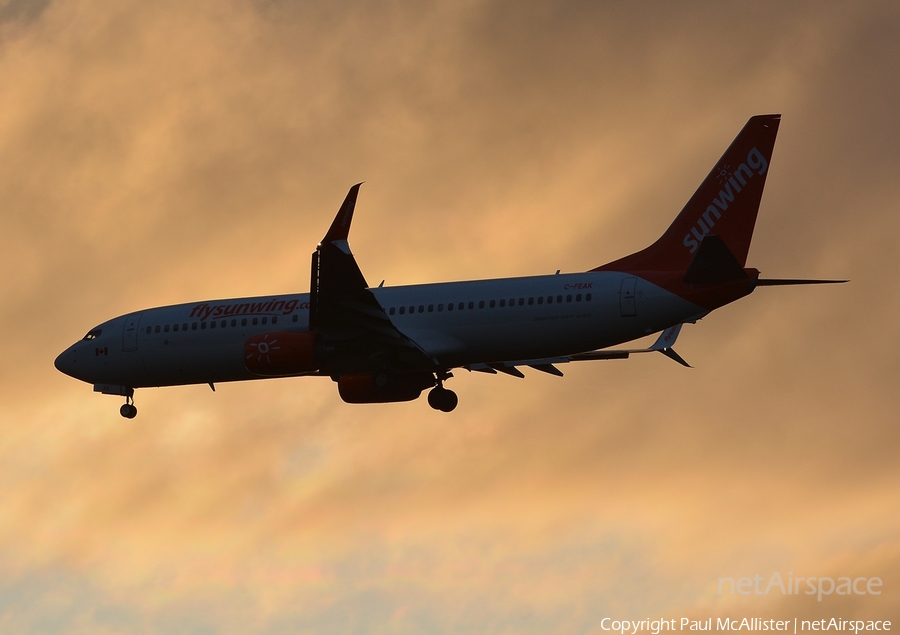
{"points": [[441, 398], [128, 409]]}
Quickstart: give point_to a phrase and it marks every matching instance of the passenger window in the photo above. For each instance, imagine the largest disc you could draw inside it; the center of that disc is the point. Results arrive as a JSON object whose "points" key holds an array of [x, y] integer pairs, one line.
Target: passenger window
{"points": [[481, 304], [549, 299], [166, 328], [212, 324], [234, 323], [578, 298], [184, 326], [462, 305], [530, 301], [412, 309], [294, 319], [493, 303], [391, 312], [521, 301], [402, 310], [244, 321], [274, 321], [265, 320], [421, 308], [440, 308], [193, 326], [149, 329], [202, 326], [512, 302], [587, 298], [558, 299], [255, 321], [541, 300], [431, 308], [502, 303], [450, 307], [175, 328], [569, 298]]}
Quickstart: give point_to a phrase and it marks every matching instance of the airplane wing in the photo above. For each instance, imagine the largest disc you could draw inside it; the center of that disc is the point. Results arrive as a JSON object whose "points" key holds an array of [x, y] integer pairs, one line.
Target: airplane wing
{"points": [[663, 345], [356, 335]]}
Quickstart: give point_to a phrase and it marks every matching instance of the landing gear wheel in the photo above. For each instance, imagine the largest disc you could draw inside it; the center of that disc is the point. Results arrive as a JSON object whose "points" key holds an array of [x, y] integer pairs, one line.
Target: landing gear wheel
{"points": [[450, 401], [129, 411], [442, 399]]}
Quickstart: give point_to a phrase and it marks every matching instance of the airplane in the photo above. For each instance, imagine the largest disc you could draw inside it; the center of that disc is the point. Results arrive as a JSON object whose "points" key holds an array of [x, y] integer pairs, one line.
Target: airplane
{"points": [[389, 344]]}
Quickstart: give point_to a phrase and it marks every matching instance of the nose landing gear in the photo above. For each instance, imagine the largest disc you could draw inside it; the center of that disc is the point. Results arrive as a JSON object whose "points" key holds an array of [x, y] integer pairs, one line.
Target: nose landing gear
{"points": [[128, 409], [441, 398]]}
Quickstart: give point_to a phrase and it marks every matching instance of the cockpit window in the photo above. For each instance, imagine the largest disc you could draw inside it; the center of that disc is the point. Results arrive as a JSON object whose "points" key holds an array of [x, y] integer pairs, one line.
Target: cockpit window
{"points": [[92, 335]]}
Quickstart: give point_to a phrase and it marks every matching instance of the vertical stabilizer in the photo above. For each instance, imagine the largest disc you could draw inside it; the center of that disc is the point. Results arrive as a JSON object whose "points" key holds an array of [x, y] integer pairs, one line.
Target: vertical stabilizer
{"points": [[725, 205]]}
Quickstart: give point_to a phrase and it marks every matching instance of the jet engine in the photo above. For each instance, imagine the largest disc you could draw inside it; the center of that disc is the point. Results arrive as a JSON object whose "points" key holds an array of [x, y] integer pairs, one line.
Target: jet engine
{"points": [[383, 388], [280, 354]]}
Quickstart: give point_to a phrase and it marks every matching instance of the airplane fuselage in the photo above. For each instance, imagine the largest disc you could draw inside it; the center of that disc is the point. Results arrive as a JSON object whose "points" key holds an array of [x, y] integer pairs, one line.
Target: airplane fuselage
{"points": [[455, 323]]}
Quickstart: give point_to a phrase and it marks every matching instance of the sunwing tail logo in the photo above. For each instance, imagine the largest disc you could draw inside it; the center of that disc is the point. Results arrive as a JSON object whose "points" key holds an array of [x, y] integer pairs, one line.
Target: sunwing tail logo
{"points": [[732, 184]]}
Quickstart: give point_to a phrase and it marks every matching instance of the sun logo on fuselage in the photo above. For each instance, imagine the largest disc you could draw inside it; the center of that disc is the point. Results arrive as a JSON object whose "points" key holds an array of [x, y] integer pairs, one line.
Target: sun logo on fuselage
{"points": [[263, 349], [724, 173]]}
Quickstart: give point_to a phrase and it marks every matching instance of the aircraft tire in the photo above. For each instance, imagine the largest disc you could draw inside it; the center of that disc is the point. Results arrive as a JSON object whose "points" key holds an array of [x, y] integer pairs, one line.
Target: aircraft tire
{"points": [[128, 411], [434, 398], [449, 401], [442, 399]]}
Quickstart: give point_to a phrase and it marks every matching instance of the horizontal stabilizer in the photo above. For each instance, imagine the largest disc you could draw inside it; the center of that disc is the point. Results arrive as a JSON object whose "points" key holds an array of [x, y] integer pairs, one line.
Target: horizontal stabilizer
{"points": [[783, 282]]}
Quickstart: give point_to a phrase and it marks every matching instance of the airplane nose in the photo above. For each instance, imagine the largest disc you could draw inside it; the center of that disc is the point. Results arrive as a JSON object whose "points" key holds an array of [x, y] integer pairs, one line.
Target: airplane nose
{"points": [[67, 363]]}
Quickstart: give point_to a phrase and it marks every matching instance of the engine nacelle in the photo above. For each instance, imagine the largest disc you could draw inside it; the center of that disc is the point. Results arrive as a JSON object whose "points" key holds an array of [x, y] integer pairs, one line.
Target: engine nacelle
{"points": [[279, 354], [383, 388]]}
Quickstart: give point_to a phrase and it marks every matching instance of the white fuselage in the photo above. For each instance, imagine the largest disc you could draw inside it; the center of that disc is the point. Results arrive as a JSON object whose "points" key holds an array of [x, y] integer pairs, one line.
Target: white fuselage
{"points": [[455, 323]]}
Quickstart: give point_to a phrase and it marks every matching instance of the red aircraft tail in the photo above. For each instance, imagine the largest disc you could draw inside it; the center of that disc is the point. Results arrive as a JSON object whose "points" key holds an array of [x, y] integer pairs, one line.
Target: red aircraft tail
{"points": [[725, 205]]}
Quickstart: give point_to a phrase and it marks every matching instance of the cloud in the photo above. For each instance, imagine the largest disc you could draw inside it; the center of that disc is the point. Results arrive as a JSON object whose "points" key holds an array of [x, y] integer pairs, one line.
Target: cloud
{"points": [[168, 152]]}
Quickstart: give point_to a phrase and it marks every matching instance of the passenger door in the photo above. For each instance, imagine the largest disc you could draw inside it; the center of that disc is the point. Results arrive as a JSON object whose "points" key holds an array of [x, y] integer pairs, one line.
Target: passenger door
{"points": [[130, 333]]}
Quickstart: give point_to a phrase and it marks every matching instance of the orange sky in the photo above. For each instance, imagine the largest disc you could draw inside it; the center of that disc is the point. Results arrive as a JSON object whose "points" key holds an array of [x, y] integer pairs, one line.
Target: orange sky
{"points": [[167, 152]]}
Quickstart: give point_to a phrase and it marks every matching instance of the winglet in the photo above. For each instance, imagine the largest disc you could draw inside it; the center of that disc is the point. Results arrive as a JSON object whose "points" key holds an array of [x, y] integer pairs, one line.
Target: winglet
{"points": [[667, 338], [340, 226], [666, 341]]}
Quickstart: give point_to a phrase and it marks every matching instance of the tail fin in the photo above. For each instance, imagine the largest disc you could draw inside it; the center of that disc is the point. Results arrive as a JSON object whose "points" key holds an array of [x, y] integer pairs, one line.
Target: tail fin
{"points": [[725, 204]]}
